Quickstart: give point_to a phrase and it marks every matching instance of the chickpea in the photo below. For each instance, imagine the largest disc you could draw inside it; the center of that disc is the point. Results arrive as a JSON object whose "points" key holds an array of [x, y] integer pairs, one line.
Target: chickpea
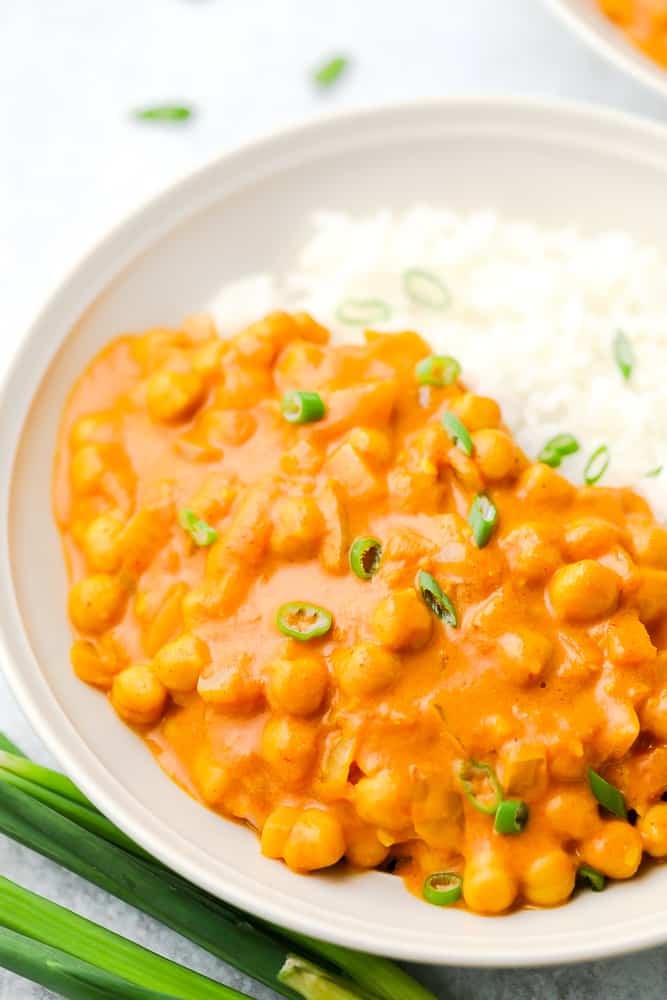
{"points": [[87, 468], [365, 669], [488, 887], [101, 542], [651, 598], [173, 396], [477, 413], [402, 621], [549, 879], [276, 830], [495, 454], [583, 591], [587, 537], [526, 653], [179, 663], [648, 541], [654, 715], [92, 428], [542, 484], [616, 850], [628, 642], [653, 830], [531, 554], [315, 841], [231, 684], [211, 779], [96, 602], [382, 800], [372, 442], [289, 746], [94, 664], [297, 686], [298, 527], [364, 850], [138, 696], [572, 813]]}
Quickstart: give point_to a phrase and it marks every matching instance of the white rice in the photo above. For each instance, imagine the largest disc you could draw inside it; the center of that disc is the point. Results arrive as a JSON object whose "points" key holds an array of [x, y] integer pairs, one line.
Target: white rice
{"points": [[532, 319]]}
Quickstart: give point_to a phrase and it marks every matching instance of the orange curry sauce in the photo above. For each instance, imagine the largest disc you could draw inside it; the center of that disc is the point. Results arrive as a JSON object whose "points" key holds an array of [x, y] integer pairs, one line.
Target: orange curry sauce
{"points": [[352, 744], [644, 22]]}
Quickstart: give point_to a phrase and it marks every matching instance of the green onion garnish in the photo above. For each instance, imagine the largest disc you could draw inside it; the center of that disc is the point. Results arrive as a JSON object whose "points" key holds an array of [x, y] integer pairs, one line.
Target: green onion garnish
{"points": [[597, 465], [435, 598], [654, 473], [303, 621], [330, 71], [595, 879], [365, 557], [164, 113], [481, 786], [557, 448], [610, 797], [302, 407], [438, 369], [362, 312], [200, 532], [624, 354], [426, 288], [483, 519], [457, 431], [511, 817], [443, 888]]}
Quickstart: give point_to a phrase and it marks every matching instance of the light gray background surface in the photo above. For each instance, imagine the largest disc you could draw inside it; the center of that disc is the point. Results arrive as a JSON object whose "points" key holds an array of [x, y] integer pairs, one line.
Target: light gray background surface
{"points": [[72, 162]]}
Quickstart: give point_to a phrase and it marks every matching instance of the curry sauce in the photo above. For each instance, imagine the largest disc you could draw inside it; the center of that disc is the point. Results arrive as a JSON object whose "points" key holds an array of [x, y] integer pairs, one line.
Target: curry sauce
{"points": [[343, 607]]}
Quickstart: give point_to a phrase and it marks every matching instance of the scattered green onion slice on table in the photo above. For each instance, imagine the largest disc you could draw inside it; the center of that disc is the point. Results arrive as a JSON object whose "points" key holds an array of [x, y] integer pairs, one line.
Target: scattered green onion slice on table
{"points": [[556, 449], [164, 113], [481, 786], [511, 816], [302, 407], [435, 598], [653, 473], [330, 71], [610, 797], [438, 370], [457, 431], [624, 354], [303, 621], [483, 519], [425, 288], [362, 312], [200, 532], [442, 888], [597, 465], [595, 879], [365, 557]]}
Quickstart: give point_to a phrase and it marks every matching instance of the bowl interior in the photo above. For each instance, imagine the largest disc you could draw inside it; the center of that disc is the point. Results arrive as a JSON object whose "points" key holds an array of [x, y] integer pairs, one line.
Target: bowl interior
{"points": [[247, 213]]}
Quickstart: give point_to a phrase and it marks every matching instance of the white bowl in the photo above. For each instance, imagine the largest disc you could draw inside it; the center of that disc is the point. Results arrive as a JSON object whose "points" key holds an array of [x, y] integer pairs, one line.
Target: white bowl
{"points": [[586, 19], [548, 162]]}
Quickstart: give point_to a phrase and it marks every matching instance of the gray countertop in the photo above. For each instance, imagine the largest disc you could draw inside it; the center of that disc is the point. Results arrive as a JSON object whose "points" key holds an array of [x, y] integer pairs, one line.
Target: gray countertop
{"points": [[72, 162]]}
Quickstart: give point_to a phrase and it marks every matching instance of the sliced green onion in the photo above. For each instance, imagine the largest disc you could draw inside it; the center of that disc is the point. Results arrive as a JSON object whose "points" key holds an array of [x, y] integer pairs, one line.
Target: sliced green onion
{"points": [[165, 113], [610, 797], [201, 533], [330, 71], [302, 407], [457, 431], [426, 288], [654, 473], [595, 879], [597, 465], [511, 816], [624, 354], [435, 598], [557, 448], [438, 370], [481, 786], [303, 621], [483, 519], [365, 557], [443, 888], [362, 312]]}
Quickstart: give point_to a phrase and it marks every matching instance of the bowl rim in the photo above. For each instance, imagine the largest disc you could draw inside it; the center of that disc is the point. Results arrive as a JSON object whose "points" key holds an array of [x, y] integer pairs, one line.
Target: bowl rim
{"points": [[638, 933], [619, 52]]}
